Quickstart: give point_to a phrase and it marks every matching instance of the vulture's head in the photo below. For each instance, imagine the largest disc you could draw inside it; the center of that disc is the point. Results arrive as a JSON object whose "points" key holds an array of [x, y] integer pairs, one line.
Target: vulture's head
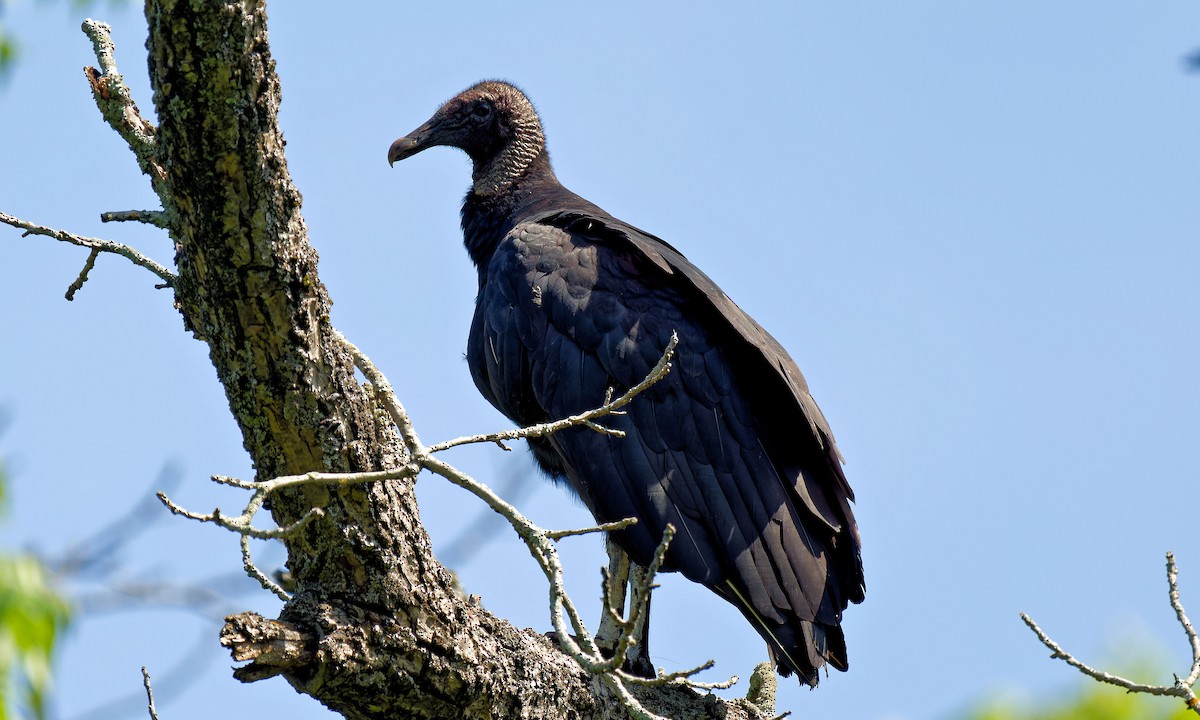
{"points": [[493, 122]]}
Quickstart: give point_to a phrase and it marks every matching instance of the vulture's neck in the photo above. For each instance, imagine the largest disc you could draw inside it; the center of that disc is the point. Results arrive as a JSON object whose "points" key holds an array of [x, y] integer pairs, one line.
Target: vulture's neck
{"points": [[514, 160], [488, 217]]}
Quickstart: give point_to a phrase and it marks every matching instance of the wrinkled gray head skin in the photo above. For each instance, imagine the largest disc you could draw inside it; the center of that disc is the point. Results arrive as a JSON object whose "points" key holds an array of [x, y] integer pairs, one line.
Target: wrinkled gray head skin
{"points": [[494, 123]]}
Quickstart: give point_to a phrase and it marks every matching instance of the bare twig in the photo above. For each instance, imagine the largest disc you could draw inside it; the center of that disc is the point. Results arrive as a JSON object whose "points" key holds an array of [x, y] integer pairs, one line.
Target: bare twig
{"points": [[606, 527], [97, 244], [172, 682], [1177, 605], [541, 546], [658, 372], [514, 485], [83, 274], [383, 391], [684, 677], [1056, 652], [149, 694], [1182, 688], [157, 218], [580, 644], [260, 491], [582, 647], [117, 106]]}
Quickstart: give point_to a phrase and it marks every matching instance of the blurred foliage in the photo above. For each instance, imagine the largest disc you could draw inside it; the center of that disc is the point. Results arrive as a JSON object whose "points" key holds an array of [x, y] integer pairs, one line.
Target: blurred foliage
{"points": [[1096, 701], [8, 51], [8, 48], [32, 619]]}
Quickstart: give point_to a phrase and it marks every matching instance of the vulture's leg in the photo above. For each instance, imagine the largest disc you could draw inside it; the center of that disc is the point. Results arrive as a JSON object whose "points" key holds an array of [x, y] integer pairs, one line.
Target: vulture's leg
{"points": [[623, 576], [639, 660]]}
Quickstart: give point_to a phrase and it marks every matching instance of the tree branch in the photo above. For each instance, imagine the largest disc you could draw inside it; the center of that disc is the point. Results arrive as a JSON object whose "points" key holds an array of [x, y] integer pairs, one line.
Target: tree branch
{"points": [[149, 694], [1177, 606], [1182, 688], [116, 103], [274, 646], [603, 527], [83, 274], [151, 217], [96, 244]]}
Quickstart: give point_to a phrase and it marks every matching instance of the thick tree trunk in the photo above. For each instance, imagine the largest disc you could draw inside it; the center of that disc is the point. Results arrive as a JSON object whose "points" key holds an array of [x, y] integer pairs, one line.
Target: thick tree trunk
{"points": [[375, 628]]}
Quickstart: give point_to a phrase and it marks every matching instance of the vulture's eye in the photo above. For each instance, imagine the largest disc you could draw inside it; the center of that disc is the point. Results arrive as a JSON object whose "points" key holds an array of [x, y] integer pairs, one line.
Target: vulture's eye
{"points": [[481, 111]]}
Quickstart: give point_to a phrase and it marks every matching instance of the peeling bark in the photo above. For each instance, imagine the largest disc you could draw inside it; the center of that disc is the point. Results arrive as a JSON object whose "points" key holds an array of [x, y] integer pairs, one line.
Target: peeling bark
{"points": [[375, 628]]}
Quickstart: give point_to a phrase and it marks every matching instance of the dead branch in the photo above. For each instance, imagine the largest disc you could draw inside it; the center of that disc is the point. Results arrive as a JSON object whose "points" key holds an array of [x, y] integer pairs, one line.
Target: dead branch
{"points": [[149, 694], [96, 244], [1181, 688]]}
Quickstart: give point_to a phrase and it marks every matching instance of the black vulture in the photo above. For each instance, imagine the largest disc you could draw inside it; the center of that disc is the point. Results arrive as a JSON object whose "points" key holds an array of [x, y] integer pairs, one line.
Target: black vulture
{"points": [[730, 447]]}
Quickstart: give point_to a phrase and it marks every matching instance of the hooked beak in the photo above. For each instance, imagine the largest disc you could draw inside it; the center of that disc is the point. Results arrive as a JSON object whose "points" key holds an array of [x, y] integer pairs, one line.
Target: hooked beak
{"points": [[423, 137]]}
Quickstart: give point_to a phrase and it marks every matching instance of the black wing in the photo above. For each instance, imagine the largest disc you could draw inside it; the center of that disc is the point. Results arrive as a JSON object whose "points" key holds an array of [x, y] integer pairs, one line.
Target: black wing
{"points": [[729, 447]]}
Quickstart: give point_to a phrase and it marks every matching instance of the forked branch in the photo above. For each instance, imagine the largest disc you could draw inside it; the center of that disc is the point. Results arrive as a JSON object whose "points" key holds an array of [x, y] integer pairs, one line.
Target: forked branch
{"points": [[116, 104], [260, 491], [1182, 687], [96, 244]]}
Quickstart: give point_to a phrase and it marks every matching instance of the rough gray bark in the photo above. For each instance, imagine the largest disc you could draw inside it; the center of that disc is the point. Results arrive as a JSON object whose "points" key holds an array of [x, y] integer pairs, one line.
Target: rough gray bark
{"points": [[375, 629]]}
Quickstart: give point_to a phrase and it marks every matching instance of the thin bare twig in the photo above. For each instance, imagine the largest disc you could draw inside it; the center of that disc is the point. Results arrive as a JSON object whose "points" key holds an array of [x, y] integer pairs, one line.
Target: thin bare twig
{"points": [[242, 524], [149, 694], [1177, 605], [83, 274], [577, 641], [582, 647], [658, 372], [109, 246], [172, 682], [1181, 688], [514, 485], [605, 527], [1056, 652], [383, 391]]}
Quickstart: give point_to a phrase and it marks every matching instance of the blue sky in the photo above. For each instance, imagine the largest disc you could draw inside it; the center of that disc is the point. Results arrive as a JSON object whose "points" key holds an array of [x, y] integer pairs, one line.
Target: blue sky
{"points": [[972, 224]]}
